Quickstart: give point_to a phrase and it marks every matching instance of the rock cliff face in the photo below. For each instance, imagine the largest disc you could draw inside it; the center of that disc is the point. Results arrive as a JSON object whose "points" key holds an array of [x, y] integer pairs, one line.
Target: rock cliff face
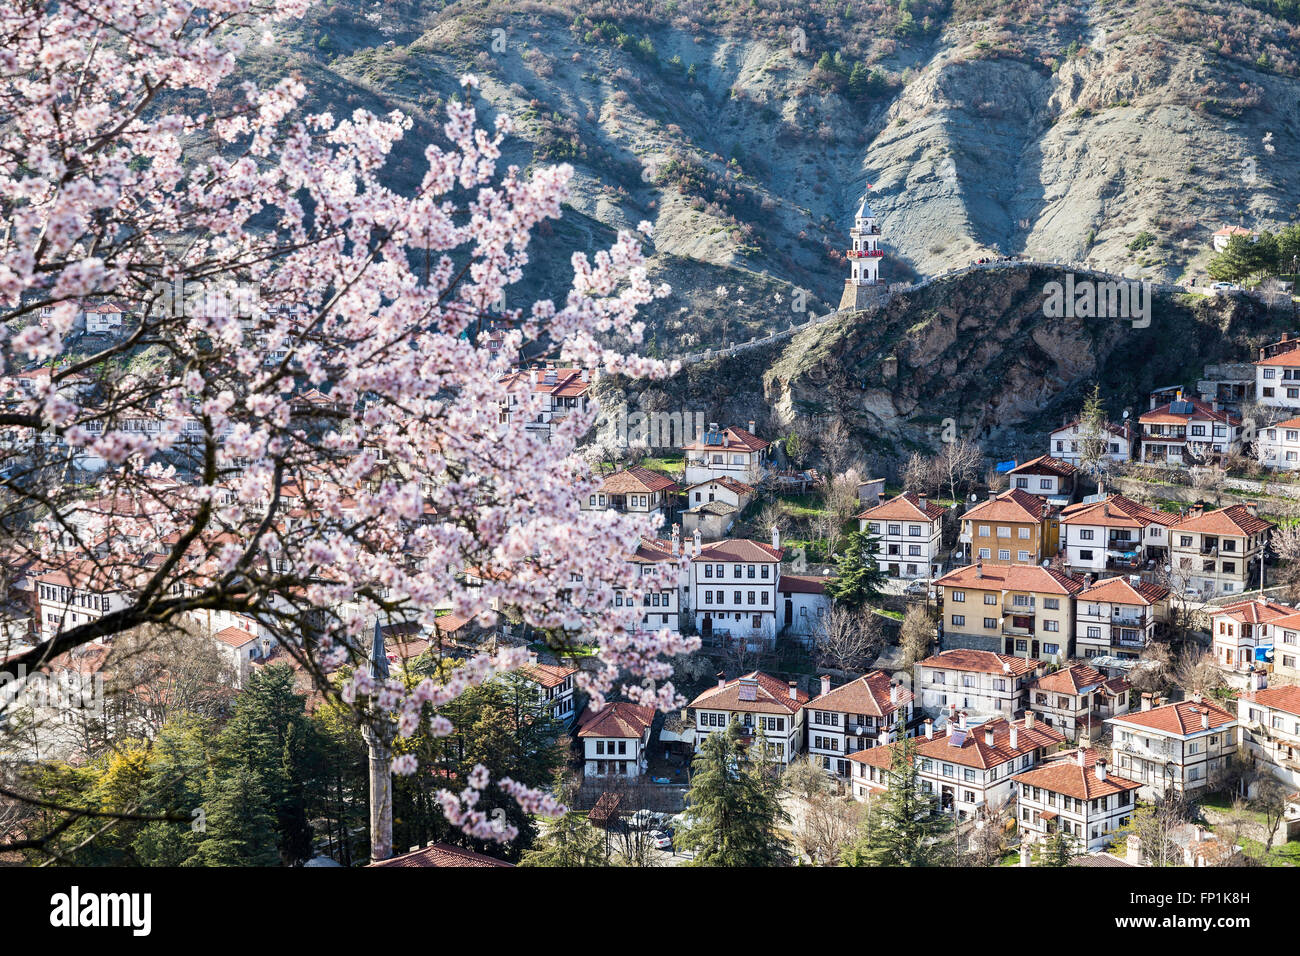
{"points": [[1062, 131]]}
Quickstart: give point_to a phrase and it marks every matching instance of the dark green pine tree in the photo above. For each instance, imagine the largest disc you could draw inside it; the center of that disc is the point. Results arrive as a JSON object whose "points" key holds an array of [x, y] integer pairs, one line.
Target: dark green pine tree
{"points": [[177, 769], [904, 826], [736, 819], [240, 829], [858, 577], [568, 841], [1057, 850], [270, 735]]}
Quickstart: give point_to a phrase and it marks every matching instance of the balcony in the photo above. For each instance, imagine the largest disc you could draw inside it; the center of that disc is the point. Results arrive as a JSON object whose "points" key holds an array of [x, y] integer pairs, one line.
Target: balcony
{"points": [[865, 253]]}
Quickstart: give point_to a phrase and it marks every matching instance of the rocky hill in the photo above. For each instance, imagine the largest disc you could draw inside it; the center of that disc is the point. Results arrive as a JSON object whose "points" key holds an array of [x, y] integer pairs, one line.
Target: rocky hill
{"points": [[1122, 133]]}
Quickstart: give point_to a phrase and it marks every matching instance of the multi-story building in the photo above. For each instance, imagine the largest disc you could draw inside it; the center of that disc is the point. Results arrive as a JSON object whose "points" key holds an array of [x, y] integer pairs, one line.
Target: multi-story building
{"points": [[1016, 609], [968, 767], [770, 712], [662, 605], [544, 396], [1286, 647], [870, 711], [1014, 527], [981, 681], [726, 453], [1176, 748], [1067, 443], [1218, 552], [1046, 477], [1076, 794], [615, 739], [734, 589], [909, 534], [713, 506], [1185, 431], [1118, 618], [554, 686], [1074, 699], [77, 594], [1114, 534], [1270, 726], [1245, 634], [1277, 374], [1278, 446], [638, 491]]}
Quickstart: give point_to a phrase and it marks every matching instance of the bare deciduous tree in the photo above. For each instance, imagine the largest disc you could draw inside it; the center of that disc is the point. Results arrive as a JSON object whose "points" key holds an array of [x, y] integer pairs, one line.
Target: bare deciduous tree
{"points": [[917, 637], [847, 640], [959, 465], [1197, 673], [827, 824]]}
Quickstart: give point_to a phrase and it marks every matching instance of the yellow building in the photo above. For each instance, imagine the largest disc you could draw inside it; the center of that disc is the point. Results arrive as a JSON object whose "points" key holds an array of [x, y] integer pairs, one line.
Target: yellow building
{"points": [[1013, 528]]}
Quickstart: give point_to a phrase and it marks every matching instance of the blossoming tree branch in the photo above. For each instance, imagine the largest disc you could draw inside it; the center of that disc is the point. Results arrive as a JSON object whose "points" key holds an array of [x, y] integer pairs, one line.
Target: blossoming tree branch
{"points": [[336, 454]]}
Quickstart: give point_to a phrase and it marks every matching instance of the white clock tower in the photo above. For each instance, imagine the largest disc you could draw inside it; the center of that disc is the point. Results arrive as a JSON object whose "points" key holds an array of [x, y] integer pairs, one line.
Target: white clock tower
{"points": [[863, 283]]}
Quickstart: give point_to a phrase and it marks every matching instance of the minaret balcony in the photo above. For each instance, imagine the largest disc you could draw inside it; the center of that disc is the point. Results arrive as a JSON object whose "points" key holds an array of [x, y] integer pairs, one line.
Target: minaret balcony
{"points": [[865, 253]]}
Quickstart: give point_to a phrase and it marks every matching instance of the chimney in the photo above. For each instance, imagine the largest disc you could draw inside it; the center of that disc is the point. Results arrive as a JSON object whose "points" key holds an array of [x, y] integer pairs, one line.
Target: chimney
{"points": [[881, 497], [1079, 756], [1015, 737], [751, 426], [929, 729], [677, 539], [1024, 853], [1214, 405], [893, 692], [1205, 720], [921, 499], [961, 720], [1133, 850], [585, 375], [1146, 702], [1030, 719], [988, 735], [979, 569], [776, 538], [532, 657], [698, 544], [826, 684], [722, 679], [794, 690], [1100, 769]]}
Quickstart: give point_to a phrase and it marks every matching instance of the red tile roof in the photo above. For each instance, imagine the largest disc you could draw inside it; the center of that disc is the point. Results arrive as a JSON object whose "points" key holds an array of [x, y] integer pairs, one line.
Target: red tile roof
{"points": [[974, 751], [1181, 719], [733, 439], [548, 675], [739, 549], [1045, 465], [803, 584], [1014, 505], [1161, 415], [869, 695], [637, 480], [984, 662], [1116, 512], [1255, 612], [1075, 679], [1012, 577], [906, 506], [234, 636], [441, 854], [731, 484], [772, 696], [1118, 590], [1285, 698], [616, 719], [1232, 520], [1064, 774]]}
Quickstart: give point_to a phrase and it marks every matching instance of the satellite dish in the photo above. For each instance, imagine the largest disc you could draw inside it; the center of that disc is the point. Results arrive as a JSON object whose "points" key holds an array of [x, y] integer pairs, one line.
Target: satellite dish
{"points": [[973, 497], [1126, 413]]}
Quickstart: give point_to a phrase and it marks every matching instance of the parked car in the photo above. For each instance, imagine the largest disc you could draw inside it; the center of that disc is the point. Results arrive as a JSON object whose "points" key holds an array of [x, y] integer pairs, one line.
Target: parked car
{"points": [[661, 840], [916, 587], [643, 819]]}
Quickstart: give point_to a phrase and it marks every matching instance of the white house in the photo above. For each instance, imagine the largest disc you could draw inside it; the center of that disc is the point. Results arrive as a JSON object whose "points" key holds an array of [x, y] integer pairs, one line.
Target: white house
{"points": [[662, 605], [240, 649], [636, 490], [968, 767], [554, 687], [1074, 793], [1219, 240], [1218, 552], [75, 595], [1270, 726], [734, 589], [712, 506], [1114, 534], [1076, 698], [544, 396], [1067, 442], [1246, 634], [802, 605], [1277, 374], [1176, 748], [103, 318], [909, 534], [1278, 446], [615, 739], [1117, 618], [974, 680], [1045, 476], [1185, 431], [870, 711], [771, 713], [1285, 653], [726, 453]]}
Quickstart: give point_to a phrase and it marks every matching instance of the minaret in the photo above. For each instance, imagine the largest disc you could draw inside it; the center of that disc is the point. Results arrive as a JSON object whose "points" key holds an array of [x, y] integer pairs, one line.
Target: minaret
{"points": [[863, 284], [379, 740]]}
